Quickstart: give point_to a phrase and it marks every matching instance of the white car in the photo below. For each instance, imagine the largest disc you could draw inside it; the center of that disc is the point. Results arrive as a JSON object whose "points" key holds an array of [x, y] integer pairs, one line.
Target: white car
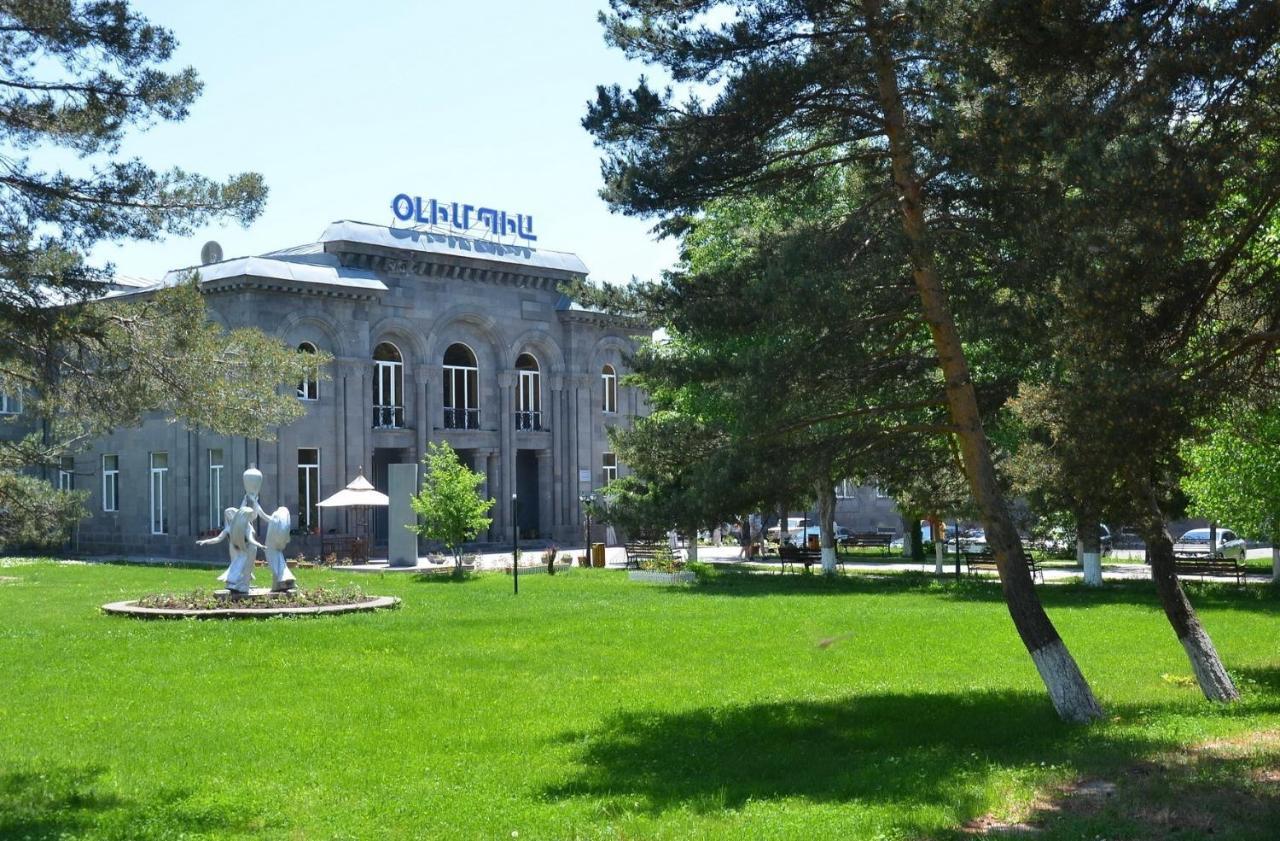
{"points": [[813, 533], [1196, 542]]}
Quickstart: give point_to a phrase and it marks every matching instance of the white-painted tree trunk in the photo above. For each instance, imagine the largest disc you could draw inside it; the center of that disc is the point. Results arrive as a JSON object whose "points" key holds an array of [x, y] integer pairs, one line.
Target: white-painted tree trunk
{"points": [[939, 554], [692, 551], [829, 560], [1092, 569], [1212, 676], [1067, 688]]}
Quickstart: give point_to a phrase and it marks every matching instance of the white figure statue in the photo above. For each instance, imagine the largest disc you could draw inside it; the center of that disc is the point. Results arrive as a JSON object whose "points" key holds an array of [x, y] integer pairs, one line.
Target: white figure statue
{"points": [[241, 546], [277, 538]]}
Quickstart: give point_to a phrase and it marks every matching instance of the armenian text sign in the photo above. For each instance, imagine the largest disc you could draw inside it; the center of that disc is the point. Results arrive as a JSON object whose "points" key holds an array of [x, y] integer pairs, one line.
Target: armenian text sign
{"points": [[461, 217]]}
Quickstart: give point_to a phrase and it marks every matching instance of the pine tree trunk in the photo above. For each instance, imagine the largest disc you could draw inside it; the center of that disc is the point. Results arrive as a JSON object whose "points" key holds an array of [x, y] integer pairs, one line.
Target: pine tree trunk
{"points": [[1214, 681], [1067, 687], [1275, 561]]}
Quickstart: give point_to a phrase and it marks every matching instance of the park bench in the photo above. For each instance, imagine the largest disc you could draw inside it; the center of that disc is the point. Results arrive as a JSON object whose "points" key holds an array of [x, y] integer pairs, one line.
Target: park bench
{"points": [[1204, 565], [636, 552], [795, 555], [986, 562], [867, 540]]}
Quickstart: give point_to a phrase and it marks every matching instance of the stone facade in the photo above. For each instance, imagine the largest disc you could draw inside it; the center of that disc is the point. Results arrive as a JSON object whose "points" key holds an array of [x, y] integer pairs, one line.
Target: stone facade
{"points": [[359, 287]]}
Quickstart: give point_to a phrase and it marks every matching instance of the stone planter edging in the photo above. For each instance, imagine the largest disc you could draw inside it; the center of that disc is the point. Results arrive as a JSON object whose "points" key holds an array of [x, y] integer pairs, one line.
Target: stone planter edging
{"points": [[130, 608], [662, 577]]}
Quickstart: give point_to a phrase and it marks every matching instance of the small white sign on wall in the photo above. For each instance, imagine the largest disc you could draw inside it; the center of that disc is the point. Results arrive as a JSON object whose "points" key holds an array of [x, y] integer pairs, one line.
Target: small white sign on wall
{"points": [[584, 475]]}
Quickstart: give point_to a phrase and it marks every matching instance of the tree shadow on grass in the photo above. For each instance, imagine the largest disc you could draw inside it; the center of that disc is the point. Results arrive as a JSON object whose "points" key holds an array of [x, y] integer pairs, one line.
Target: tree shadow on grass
{"points": [[894, 750], [969, 589], [63, 802]]}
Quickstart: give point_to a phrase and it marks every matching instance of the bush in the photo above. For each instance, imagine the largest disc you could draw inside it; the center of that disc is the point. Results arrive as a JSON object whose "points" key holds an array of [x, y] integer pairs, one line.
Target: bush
{"points": [[662, 561]]}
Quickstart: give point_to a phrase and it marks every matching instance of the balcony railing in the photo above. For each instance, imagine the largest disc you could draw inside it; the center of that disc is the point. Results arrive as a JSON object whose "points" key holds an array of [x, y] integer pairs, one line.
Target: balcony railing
{"points": [[388, 417], [529, 420], [461, 418]]}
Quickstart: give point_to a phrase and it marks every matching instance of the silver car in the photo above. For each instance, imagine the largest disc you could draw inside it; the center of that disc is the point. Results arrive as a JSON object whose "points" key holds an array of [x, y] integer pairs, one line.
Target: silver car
{"points": [[1196, 542]]}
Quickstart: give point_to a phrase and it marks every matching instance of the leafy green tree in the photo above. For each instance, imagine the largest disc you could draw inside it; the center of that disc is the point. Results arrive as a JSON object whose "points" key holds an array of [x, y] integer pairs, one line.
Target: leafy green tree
{"points": [[1141, 207], [800, 89], [1234, 477], [449, 506], [78, 76]]}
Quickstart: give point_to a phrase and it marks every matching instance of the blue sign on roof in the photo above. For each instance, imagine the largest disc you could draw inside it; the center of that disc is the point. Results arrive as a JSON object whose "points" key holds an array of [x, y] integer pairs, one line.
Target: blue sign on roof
{"points": [[459, 217]]}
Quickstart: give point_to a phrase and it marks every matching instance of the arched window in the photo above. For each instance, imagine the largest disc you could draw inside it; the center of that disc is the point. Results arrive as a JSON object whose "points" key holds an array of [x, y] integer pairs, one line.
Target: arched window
{"points": [[528, 394], [610, 379], [461, 388], [309, 386], [388, 387]]}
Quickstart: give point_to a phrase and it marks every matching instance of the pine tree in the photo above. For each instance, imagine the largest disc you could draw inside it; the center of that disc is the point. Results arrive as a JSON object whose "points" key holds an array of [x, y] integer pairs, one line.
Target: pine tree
{"points": [[78, 76]]}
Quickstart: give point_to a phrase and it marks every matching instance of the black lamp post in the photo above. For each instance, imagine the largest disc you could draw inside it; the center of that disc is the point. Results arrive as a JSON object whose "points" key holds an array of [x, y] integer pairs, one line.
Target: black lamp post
{"points": [[515, 543], [586, 499]]}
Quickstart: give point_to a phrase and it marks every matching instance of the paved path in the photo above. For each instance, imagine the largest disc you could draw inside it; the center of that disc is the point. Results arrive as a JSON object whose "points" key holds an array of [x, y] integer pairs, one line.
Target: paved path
{"points": [[1127, 566]]}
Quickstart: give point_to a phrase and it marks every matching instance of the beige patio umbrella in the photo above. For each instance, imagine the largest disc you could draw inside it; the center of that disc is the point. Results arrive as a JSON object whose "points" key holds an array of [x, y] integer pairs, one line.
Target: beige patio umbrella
{"points": [[360, 496]]}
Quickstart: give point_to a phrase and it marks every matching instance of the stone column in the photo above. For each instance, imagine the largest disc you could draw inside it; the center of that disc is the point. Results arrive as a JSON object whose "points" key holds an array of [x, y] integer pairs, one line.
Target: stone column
{"points": [[422, 421], [556, 466], [490, 484], [544, 493], [402, 544], [507, 445]]}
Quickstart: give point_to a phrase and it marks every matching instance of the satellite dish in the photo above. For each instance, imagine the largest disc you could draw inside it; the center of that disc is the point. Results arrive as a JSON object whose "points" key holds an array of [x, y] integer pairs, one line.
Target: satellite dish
{"points": [[211, 253]]}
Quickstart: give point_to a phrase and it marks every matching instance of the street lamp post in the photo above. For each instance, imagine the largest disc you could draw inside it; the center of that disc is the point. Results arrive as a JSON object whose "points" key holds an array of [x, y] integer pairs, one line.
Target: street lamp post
{"points": [[515, 544]]}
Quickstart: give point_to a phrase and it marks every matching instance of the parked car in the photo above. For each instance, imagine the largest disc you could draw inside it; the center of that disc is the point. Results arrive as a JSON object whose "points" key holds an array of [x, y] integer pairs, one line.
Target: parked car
{"points": [[1196, 542], [1064, 540], [795, 538], [773, 533]]}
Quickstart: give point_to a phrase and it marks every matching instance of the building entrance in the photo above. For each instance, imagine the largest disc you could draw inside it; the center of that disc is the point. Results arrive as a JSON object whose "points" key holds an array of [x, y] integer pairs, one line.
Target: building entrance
{"points": [[527, 487]]}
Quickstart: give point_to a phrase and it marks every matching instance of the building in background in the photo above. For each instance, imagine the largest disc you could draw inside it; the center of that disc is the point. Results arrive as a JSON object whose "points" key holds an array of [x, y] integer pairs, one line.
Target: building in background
{"points": [[435, 336]]}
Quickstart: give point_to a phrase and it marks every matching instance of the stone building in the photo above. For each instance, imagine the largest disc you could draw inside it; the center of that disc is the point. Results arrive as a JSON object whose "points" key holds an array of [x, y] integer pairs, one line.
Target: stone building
{"points": [[434, 337]]}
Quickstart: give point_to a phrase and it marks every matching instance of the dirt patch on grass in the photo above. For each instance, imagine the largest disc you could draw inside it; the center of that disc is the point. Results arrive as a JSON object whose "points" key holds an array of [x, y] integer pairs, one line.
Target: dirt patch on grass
{"points": [[1226, 788]]}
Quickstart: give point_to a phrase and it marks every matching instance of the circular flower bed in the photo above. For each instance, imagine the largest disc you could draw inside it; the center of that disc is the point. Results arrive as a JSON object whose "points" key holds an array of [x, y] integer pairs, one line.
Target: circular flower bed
{"points": [[209, 600], [206, 604]]}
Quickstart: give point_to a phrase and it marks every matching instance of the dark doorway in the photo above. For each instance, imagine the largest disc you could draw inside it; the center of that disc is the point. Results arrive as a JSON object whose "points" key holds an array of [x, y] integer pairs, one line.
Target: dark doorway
{"points": [[382, 457], [527, 487]]}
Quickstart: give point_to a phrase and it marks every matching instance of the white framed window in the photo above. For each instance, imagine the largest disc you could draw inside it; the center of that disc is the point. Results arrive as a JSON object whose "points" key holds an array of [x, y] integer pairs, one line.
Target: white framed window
{"points": [[159, 478], [111, 482], [846, 489], [609, 378], [609, 461], [461, 388], [388, 387], [215, 489], [10, 404], [308, 488], [67, 473], [528, 393], [309, 387]]}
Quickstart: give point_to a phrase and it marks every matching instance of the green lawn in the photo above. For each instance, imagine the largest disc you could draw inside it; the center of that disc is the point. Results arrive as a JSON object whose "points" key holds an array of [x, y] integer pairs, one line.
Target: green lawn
{"points": [[590, 707]]}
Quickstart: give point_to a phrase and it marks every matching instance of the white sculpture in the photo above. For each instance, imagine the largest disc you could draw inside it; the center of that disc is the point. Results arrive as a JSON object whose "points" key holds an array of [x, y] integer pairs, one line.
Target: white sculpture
{"points": [[277, 538], [242, 545]]}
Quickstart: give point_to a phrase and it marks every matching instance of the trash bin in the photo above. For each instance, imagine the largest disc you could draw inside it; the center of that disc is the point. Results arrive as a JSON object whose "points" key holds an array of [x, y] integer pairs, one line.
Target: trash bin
{"points": [[813, 542], [597, 554]]}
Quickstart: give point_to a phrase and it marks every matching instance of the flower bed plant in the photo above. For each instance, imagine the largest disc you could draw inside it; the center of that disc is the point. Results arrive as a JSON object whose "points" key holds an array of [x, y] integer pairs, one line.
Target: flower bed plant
{"points": [[206, 600]]}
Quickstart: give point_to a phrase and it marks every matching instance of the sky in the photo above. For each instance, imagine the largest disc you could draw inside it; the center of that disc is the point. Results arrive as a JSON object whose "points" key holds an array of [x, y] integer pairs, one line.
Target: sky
{"points": [[341, 106]]}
